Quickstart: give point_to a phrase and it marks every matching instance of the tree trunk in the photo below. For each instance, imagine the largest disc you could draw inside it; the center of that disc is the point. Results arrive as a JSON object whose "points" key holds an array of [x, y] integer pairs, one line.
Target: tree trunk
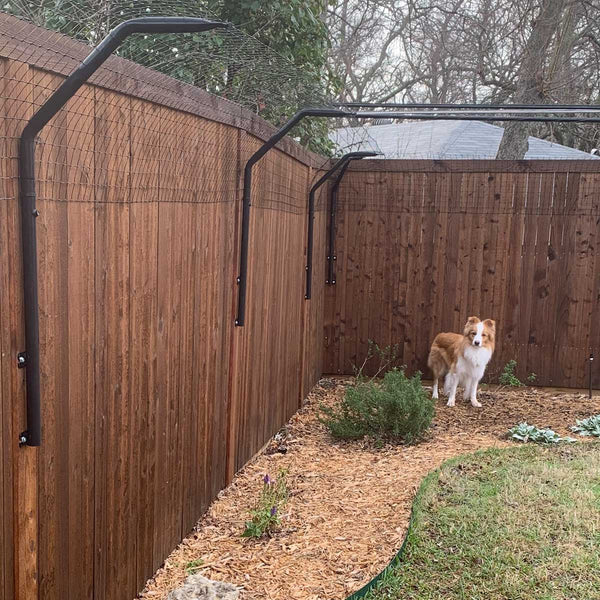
{"points": [[530, 83]]}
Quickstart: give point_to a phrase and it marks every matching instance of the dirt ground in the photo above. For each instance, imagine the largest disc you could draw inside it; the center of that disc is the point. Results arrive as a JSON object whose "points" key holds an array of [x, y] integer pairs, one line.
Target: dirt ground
{"points": [[350, 502]]}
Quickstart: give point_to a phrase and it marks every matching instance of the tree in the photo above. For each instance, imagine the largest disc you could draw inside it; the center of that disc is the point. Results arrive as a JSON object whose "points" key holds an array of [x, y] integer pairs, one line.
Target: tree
{"points": [[536, 72], [272, 63], [469, 51]]}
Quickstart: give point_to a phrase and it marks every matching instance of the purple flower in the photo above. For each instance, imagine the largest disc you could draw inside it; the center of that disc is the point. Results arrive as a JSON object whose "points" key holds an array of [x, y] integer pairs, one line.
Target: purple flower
{"points": [[267, 479], [273, 511]]}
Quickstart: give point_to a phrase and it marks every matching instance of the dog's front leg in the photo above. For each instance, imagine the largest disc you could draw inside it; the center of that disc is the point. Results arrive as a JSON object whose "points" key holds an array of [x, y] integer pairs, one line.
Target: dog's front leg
{"points": [[450, 388], [473, 394], [435, 394]]}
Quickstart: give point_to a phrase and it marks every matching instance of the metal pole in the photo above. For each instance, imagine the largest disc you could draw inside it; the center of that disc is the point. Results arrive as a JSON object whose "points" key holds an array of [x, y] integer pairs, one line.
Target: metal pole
{"points": [[452, 116], [30, 357], [331, 256], [247, 195], [591, 361], [343, 162], [551, 108]]}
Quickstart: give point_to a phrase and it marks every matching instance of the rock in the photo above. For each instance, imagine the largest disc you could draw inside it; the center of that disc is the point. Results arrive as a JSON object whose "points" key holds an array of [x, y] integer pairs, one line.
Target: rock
{"points": [[197, 587]]}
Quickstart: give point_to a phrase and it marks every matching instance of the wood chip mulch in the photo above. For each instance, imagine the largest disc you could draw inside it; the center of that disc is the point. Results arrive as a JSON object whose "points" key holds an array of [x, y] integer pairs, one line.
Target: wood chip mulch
{"points": [[350, 502]]}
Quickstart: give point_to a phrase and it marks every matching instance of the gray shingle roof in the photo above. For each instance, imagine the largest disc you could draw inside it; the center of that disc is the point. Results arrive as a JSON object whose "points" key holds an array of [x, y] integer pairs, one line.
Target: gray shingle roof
{"points": [[443, 140]]}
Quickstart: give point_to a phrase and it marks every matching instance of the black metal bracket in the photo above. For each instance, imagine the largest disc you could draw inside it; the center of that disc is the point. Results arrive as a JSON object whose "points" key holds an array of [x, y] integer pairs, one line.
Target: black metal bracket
{"points": [[247, 200], [21, 360], [331, 257], [29, 213], [343, 163], [549, 108]]}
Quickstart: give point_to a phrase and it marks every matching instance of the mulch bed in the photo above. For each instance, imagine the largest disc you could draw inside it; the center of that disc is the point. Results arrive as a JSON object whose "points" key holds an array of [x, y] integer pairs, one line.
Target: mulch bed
{"points": [[350, 502]]}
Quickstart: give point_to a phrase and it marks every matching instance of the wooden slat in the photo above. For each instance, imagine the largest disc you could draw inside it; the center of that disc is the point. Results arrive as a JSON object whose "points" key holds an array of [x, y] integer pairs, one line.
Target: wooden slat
{"points": [[20, 465], [116, 483], [11, 334], [145, 155]]}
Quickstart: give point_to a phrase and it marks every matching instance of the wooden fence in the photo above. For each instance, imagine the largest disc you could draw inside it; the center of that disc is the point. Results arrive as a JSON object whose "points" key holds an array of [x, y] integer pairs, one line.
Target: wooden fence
{"points": [[422, 245], [152, 398]]}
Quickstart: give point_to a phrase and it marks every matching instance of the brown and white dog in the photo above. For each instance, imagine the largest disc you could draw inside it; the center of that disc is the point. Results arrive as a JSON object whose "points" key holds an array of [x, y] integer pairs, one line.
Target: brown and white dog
{"points": [[462, 358]]}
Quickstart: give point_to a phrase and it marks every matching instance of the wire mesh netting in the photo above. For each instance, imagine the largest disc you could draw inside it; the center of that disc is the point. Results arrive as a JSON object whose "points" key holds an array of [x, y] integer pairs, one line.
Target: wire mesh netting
{"points": [[472, 187], [135, 134]]}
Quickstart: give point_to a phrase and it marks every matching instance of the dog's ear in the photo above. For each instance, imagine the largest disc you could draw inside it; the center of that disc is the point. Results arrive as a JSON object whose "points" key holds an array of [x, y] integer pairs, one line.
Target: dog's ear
{"points": [[490, 323], [472, 320]]}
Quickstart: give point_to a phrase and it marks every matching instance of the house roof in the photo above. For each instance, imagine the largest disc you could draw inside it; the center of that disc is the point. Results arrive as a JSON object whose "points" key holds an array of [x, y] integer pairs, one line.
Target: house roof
{"points": [[443, 140]]}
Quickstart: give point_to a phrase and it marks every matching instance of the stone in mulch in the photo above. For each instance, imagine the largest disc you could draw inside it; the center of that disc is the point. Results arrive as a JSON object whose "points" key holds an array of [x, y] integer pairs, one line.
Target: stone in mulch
{"points": [[197, 587]]}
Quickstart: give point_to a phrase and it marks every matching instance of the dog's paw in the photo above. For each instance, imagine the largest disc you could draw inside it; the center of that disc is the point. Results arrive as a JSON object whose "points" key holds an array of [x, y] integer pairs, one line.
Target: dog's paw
{"points": [[435, 395], [476, 404], [450, 403]]}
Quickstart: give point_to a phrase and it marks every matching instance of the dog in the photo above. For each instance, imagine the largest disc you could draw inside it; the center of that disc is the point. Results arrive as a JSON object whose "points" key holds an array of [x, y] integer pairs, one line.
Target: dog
{"points": [[462, 358]]}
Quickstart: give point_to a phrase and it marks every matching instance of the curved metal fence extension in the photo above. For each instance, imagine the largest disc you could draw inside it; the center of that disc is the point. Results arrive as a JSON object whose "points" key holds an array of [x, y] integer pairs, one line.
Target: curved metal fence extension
{"points": [[30, 357], [419, 112], [342, 163]]}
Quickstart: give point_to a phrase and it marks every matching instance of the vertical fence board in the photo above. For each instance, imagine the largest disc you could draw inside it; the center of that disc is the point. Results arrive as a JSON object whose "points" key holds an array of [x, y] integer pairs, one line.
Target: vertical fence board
{"points": [[116, 480], [9, 329], [20, 465], [144, 172]]}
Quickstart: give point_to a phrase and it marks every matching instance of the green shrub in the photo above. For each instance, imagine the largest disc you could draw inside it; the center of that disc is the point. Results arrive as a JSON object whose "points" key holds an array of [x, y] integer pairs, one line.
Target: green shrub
{"points": [[265, 517], [509, 378], [523, 432], [397, 408], [589, 426]]}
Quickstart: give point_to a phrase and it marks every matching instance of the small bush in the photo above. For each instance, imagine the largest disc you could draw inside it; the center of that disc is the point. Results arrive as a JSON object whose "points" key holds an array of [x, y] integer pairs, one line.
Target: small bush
{"points": [[589, 426], [397, 408], [530, 433], [265, 516], [508, 377]]}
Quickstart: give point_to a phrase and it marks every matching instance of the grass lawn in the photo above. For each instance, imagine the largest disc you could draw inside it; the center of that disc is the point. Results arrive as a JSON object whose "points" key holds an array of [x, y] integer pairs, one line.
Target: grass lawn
{"points": [[516, 524]]}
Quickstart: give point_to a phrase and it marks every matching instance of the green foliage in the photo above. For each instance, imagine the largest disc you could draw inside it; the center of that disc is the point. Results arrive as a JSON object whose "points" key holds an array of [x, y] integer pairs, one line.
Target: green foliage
{"points": [[397, 408], [282, 69], [193, 566], [265, 517], [530, 433], [589, 426], [508, 377]]}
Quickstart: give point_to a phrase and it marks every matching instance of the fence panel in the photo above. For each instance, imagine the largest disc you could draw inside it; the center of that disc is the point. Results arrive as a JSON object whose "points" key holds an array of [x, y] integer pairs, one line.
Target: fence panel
{"points": [[138, 253], [422, 245], [267, 355]]}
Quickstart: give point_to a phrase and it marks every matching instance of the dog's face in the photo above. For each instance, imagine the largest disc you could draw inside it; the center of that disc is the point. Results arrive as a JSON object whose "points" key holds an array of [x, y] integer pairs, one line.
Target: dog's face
{"points": [[480, 333]]}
